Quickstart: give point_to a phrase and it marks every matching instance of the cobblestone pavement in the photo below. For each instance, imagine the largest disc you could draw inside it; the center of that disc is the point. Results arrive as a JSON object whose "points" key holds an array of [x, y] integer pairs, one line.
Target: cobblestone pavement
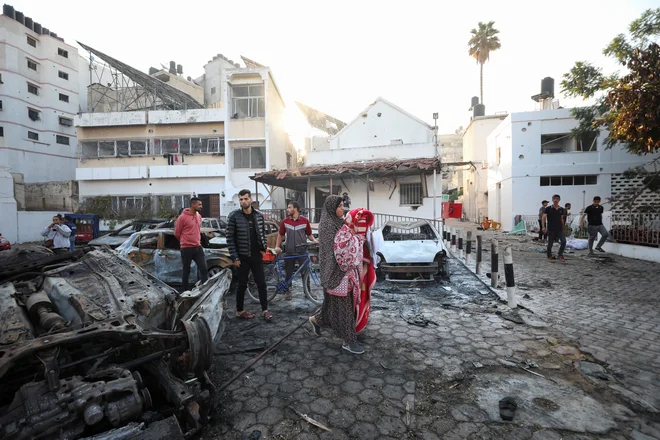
{"points": [[437, 363]]}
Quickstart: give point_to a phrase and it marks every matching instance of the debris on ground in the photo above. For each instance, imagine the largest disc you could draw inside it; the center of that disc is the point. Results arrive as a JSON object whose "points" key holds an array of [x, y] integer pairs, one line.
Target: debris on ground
{"points": [[508, 407], [513, 316]]}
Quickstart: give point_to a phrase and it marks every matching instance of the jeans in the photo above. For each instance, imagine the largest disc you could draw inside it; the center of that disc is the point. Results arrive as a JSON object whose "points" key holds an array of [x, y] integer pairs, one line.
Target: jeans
{"points": [[593, 233], [290, 266], [541, 234], [187, 257], [72, 244], [551, 240], [255, 265]]}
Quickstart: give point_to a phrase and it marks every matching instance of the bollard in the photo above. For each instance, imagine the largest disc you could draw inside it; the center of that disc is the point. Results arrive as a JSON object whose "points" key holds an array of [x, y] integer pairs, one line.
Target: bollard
{"points": [[468, 247], [478, 271], [494, 257], [453, 239], [460, 244], [508, 275]]}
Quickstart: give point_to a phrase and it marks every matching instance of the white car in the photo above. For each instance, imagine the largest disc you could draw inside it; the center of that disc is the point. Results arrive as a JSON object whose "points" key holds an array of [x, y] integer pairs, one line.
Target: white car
{"points": [[410, 251]]}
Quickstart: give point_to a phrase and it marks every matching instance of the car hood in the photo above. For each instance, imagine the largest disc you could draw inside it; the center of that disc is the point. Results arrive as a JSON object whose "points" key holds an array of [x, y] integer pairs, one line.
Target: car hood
{"points": [[410, 251], [109, 240]]}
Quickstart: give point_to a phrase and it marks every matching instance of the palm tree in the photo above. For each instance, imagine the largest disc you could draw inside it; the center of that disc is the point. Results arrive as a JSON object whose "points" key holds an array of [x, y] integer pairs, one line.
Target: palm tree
{"points": [[483, 41]]}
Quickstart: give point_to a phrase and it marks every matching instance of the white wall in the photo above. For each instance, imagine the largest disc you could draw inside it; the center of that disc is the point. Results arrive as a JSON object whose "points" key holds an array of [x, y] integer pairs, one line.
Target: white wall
{"points": [[383, 152], [8, 207], [43, 160], [522, 164], [370, 130], [30, 224]]}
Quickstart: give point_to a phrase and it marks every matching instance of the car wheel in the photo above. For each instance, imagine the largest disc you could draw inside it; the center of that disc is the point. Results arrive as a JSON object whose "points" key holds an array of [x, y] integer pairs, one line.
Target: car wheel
{"points": [[214, 270], [380, 276], [443, 268]]}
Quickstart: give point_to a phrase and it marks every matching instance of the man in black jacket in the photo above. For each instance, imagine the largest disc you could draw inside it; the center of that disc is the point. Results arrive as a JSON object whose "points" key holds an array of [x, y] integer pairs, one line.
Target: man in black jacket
{"points": [[246, 238]]}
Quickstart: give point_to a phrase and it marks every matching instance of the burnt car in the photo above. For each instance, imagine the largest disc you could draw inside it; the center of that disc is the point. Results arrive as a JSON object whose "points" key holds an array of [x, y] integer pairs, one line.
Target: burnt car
{"points": [[158, 252], [410, 251], [97, 348], [116, 238]]}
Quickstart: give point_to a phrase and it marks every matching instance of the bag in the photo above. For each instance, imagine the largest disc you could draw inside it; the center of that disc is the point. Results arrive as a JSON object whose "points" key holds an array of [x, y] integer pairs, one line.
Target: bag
{"points": [[49, 243]]}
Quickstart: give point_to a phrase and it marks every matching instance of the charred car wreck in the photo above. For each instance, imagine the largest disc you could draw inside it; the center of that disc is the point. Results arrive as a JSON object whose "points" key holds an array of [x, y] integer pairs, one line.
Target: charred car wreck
{"points": [[97, 348]]}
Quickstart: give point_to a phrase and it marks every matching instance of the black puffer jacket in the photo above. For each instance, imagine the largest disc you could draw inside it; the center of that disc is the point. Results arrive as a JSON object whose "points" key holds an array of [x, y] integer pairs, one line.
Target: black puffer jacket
{"points": [[238, 233]]}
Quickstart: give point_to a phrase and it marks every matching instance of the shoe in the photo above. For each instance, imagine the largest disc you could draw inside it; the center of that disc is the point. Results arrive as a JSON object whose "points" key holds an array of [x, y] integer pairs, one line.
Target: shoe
{"points": [[562, 259], [315, 327], [590, 254], [551, 259], [600, 249], [353, 347]]}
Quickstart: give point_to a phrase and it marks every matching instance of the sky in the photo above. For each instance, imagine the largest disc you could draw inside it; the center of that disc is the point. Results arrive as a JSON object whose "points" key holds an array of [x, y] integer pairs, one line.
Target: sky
{"points": [[339, 56]]}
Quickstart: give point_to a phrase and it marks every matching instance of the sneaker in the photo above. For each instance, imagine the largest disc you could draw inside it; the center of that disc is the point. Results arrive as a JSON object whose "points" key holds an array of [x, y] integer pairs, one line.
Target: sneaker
{"points": [[600, 249], [551, 259], [353, 347], [562, 259], [315, 327]]}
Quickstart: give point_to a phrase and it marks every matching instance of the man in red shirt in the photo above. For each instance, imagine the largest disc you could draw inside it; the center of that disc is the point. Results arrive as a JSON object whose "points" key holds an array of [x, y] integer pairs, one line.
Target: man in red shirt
{"points": [[188, 232], [297, 230]]}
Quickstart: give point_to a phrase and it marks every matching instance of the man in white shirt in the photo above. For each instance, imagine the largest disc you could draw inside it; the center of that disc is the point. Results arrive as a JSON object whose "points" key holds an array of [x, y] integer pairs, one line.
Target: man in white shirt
{"points": [[57, 235]]}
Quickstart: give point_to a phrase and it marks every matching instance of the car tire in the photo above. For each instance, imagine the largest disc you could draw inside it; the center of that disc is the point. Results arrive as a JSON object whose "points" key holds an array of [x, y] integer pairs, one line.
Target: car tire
{"points": [[380, 276], [443, 268], [214, 270]]}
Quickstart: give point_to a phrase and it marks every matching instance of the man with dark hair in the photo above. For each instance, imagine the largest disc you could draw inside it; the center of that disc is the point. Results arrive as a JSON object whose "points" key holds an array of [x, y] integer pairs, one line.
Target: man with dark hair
{"points": [[347, 201], [68, 221], [188, 230], [553, 223], [246, 239], [297, 230], [57, 235], [594, 215], [544, 204]]}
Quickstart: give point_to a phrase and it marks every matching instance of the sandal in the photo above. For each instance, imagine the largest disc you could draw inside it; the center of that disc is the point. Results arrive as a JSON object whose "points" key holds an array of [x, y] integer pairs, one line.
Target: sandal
{"points": [[244, 315], [268, 316]]}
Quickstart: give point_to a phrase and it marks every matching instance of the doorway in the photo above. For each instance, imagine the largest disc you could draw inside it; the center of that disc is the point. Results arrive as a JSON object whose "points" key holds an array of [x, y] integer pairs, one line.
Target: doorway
{"points": [[210, 205], [321, 193]]}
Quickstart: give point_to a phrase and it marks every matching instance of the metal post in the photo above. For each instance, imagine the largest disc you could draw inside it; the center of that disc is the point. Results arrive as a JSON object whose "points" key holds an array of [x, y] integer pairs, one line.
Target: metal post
{"points": [[256, 192], [508, 275], [453, 239], [494, 261], [478, 271], [309, 199], [331, 193], [460, 243], [435, 188], [367, 191], [468, 247]]}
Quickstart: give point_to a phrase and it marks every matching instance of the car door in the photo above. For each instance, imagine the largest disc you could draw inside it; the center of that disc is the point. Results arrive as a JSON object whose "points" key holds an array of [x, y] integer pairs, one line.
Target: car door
{"points": [[169, 265], [141, 251]]}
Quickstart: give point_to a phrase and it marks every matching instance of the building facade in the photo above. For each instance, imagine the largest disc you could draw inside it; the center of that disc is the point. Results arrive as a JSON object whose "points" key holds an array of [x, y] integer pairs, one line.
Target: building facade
{"points": [[39, 99], [158, 159], [532, 156]]}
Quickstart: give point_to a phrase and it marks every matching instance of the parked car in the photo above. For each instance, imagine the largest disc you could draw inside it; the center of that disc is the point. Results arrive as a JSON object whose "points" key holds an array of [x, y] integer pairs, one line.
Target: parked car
{"points": [[410, 251], [158, 252], [4, 244], [126, 356], [87, 227], [272, 230], [116, 238], [214, 223]]}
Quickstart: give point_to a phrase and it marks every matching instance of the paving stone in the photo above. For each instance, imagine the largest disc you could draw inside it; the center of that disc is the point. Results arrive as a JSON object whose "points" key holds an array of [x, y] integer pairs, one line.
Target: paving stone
{"points": [[270, 416], [392, 426], [519, 434], [276, 378], [363, 430], [468, 413], [352, 387], [298, 374], [442, 426], [321, 406], [370, 397], [255, 404], [546, 435]]}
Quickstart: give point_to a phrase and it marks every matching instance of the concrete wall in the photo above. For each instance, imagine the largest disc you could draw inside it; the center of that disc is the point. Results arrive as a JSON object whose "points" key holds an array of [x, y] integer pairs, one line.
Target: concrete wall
{"points": [[52, 196], [8, 208], [522, 163], [44, 159], [380, 152], [475, 149], [30, 224]]}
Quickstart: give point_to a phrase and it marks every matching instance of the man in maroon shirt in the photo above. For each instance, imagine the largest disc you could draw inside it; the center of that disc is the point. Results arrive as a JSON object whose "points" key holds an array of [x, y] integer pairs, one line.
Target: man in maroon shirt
{"points": [[297, 230]]}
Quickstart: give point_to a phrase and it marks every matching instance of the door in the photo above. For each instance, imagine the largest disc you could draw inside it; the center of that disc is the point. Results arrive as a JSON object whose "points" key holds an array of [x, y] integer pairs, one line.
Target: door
{"points": [[322, 193], [168, 263]]}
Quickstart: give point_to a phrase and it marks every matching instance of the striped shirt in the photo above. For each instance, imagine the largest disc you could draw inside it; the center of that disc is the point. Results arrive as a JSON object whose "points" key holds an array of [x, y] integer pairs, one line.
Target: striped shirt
{"points": [[296, 232]]}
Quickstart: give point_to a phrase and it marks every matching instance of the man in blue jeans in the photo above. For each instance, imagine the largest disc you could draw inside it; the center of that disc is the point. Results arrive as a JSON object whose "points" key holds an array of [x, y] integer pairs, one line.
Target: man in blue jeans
{"points": [[594, 215], [553, 223], [72, 238]]}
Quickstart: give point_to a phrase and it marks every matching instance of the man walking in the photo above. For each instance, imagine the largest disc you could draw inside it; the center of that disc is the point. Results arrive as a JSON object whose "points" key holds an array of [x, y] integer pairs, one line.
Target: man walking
{"points": [[188, 230], [553, 223], [68, 221], [544, 204], [57, 235], [594, 215], [246, 239], [297, 230]]}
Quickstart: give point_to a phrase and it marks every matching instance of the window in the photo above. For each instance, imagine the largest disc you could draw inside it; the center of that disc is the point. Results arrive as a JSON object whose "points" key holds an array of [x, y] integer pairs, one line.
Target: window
{"points": [[556, 143], [33, 114], [66, 122], [31, 41], [568, 180], [587, 143], [212, 90], [62, 140], [32, 135], [410, 194], [250, 157], [31, 65], [33, 89], [248, 101], [64, 98], [106, 149], [2, 131], [138, 148], [63, 75], [63, 53]]}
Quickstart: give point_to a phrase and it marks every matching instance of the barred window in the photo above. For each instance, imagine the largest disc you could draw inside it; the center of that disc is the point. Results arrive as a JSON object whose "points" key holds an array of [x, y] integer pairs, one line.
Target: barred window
{"points": [[410, 194]]}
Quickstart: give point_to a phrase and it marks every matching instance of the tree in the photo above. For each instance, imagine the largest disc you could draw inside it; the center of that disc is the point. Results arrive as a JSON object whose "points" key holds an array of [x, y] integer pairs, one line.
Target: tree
{"points": [[483, 41], [627, 106]]}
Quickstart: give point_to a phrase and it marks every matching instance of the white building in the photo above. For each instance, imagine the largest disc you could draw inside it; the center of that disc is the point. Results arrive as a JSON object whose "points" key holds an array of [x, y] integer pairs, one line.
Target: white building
{"points": [[39, 84], [532, 156], [364, 154], [158, 159]]}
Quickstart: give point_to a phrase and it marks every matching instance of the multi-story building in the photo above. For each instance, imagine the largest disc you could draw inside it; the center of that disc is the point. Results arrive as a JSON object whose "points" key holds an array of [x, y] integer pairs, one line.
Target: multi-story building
{"points": [[203, 137], [38, 101]]}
